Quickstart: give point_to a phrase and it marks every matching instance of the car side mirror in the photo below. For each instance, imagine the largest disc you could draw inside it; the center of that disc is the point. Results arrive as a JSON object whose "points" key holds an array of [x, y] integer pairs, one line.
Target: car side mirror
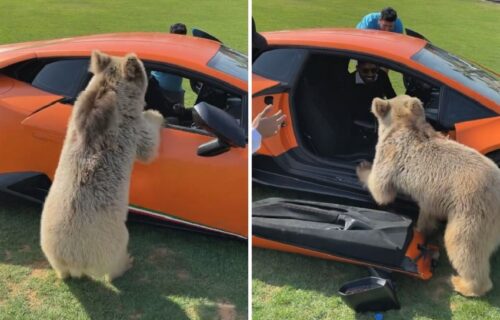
{"points": [[212, 119]]}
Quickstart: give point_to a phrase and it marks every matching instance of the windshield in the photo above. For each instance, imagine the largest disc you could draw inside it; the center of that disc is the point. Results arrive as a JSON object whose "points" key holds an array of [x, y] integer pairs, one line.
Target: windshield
{"points": [[460, 70], [231, 62]]}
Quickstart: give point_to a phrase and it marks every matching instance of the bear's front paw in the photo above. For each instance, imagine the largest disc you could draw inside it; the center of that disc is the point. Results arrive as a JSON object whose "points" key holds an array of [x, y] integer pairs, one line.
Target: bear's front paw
{"points": [[363, 171], [153, 116]]}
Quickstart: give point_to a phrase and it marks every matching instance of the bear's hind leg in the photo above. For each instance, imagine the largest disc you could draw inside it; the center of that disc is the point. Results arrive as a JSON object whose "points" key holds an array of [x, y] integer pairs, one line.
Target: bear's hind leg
{"points": [[61, 273], [119, 266], [76, 273], [426, 222], [469, 288], [469, 251], [61, 269]]}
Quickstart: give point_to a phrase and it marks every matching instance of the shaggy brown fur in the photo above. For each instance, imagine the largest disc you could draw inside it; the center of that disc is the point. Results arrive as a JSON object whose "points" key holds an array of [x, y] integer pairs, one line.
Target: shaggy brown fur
{"points": [[449, 181], [83, 228]]}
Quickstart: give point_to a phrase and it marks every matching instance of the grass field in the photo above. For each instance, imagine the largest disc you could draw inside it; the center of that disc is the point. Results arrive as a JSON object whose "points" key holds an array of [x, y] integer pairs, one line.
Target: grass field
{"points": [[48, 19], [176, 275], [465, 27], [287, 286]]}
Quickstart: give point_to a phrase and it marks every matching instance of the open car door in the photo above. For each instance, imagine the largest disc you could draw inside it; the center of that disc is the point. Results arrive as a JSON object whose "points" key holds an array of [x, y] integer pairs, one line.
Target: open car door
{"points": [[266, 92], [362, 236], [274, 75]]}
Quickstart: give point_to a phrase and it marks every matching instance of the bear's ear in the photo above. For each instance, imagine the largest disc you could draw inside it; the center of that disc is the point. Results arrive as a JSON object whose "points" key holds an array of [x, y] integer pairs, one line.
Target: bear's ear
{"points": [[99, 61], [132, 67], [415, 106], [380, 107]]}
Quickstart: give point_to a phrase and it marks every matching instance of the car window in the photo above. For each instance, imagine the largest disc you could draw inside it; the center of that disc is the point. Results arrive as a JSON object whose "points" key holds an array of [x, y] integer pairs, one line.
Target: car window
{"points": [[458, 108], [231, 62], [174, 96], [279, 64], [460, 70], [63, 77]]}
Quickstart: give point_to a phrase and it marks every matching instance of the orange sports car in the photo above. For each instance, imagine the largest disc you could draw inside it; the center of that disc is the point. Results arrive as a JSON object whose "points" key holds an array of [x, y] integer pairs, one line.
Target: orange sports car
{"points": [[200, 177], [304, 74]]}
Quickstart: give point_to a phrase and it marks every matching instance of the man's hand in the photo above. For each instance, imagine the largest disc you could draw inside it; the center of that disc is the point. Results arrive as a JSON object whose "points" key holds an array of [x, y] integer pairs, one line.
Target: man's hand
{"points": [[268, 126]]}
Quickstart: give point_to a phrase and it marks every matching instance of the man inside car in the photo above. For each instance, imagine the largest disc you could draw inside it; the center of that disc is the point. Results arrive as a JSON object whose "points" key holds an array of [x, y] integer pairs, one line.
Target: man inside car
{"points": [[364, 84]]}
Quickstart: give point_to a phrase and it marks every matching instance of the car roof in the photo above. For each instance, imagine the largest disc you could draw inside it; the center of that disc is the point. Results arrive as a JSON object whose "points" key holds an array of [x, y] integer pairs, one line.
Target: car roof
{"points": [[388, 44], [185, 51]]}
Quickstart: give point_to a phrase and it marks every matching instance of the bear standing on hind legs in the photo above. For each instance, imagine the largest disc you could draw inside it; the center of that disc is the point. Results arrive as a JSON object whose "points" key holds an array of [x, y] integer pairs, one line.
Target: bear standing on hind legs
{"points": [[449, 181], [83, 229]]}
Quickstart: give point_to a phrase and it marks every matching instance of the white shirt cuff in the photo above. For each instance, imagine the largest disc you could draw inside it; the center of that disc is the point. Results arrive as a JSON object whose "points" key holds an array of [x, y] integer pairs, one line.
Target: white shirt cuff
{"points": [[256, 140]]}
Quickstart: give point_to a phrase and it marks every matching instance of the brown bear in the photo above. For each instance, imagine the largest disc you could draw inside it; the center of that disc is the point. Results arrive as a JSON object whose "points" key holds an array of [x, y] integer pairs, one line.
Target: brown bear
{"points": [[448, 180], [83, 229]]}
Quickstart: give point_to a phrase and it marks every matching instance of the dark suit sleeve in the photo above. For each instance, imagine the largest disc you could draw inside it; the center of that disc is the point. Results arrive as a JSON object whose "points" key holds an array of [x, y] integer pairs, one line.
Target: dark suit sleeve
{"points": [[386, 83]]}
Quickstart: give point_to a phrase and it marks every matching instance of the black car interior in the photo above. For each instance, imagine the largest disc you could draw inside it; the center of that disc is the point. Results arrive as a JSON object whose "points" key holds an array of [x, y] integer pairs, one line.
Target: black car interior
{"points": [[324, 116], [174, 107]]}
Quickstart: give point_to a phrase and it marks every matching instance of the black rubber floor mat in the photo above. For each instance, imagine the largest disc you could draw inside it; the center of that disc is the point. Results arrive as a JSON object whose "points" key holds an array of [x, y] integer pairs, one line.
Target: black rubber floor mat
{"points": [[367, 235]]}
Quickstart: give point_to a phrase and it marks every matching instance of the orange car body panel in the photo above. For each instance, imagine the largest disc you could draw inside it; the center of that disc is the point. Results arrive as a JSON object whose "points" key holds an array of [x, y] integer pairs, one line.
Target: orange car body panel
{"points": [[482, 134], [424, 262], [260, 83], [20, 96], [209, 192]]}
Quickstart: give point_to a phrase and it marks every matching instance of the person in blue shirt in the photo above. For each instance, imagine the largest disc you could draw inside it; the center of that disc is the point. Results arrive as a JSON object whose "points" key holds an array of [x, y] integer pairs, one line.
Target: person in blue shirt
{"points": [[386, 20], [167, 81]]}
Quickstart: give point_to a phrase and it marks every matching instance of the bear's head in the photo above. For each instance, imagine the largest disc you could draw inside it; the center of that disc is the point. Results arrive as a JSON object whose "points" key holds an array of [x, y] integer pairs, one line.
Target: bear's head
{"points": [[400, 109], [125, 76]]}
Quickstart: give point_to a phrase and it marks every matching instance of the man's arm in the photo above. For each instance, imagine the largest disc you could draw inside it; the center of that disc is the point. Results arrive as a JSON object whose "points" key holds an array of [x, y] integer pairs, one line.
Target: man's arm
{"points": [[368, 22]]}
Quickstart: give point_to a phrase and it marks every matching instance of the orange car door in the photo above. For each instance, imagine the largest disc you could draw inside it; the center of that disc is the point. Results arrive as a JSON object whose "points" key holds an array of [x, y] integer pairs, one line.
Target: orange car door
{"points": [[274, 74], [47, 128], [266, 92], [180, 185], [20, 105]]}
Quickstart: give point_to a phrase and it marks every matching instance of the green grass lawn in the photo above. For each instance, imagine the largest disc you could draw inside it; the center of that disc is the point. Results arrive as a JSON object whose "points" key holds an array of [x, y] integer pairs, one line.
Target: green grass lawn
{"points": [[287, 286], [467, 28], [176, 274], [290, 286], [48, 19]]}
